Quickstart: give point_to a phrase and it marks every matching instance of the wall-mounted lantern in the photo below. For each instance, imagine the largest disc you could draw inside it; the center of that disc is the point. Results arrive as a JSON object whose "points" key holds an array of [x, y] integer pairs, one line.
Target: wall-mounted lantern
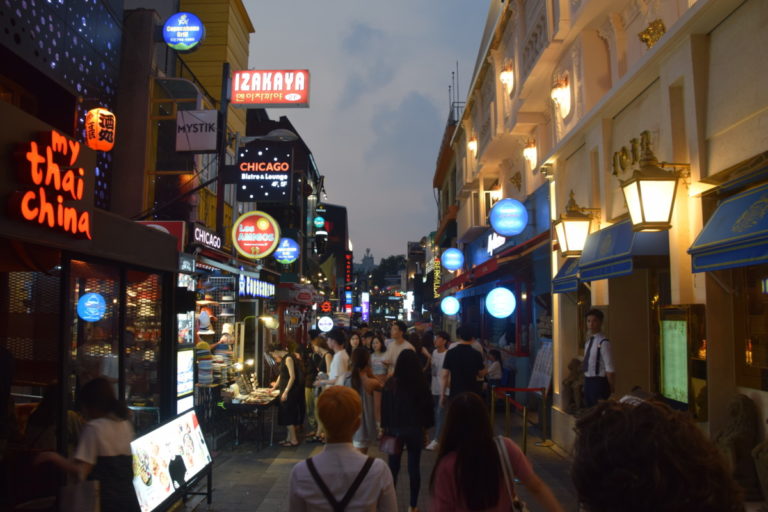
{"points": [[573, 228]]}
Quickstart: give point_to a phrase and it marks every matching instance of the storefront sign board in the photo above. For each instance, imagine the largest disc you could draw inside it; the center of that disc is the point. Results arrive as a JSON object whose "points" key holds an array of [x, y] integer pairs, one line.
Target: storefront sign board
{"points": [[270, 88], [197, 130], [183, 31], [255, 234]]}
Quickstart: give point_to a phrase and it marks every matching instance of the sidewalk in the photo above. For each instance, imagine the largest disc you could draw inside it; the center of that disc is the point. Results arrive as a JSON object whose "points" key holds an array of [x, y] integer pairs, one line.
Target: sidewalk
{"points": [[247, 479]]}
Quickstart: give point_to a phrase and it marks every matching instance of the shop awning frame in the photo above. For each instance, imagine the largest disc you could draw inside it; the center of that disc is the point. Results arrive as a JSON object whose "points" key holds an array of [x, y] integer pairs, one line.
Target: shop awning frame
{"points": [[567, 278], [736, 235], [610, 252]]}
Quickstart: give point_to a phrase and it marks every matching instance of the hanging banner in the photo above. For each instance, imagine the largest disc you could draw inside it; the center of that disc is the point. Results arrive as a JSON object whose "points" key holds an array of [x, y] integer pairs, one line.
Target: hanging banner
{"points": [[270, 88], [197, 130], [255, 235]]}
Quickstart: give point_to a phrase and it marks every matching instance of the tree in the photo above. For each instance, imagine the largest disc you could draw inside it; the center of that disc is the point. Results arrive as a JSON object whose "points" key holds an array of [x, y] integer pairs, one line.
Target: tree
{"points": [[389, 266]]}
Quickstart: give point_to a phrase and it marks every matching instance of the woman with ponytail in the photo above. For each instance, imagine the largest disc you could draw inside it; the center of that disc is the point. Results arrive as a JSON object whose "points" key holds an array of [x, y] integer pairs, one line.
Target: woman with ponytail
{"points": [[103, 452]]}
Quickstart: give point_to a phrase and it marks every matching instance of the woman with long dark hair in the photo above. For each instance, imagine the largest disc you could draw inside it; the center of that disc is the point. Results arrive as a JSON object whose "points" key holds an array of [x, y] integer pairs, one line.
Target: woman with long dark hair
{"points": [[290, 412], [468, 474], [406, 412], [362, 380], [103, 452]]}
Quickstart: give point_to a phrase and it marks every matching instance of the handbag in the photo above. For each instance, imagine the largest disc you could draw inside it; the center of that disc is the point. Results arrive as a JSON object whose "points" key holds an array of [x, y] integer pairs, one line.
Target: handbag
{"points": [[391, 445], [80, 497], [518, 505]]}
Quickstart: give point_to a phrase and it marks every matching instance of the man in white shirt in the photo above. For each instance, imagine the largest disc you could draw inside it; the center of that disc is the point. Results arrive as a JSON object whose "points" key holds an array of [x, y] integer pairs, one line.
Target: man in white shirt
{"points": [[340, 467], [399, 343], [340, 362], [599, 372]]}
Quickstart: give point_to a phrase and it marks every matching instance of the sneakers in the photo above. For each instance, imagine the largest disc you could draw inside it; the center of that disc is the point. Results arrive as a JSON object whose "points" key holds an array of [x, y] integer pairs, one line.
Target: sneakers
{"points": [[432, 445]]}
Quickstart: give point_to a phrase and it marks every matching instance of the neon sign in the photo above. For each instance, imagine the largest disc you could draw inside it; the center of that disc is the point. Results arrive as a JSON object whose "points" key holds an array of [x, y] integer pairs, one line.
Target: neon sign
{"points": [[436, 279], [271, 88], [255, 235], [91, 307], [50, 165], [287, 251], [264, 172], [509, 217], [183, 31], [250, 287]]}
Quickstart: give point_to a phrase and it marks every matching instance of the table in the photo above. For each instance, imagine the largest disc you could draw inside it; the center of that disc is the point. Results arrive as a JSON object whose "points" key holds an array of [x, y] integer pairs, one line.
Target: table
{"points": [[253, 414]]}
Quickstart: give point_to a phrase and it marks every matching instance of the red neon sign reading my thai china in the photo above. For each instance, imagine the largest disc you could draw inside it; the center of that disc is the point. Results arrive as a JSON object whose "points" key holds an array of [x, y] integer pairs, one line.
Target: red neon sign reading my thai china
{"points": [[255, 235], [55, 197], [287, 88]]}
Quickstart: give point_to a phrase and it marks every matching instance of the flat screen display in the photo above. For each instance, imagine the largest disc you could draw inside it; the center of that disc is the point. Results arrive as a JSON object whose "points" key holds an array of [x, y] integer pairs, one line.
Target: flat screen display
{"points": [[167, 458], [674, 360], [185, 372]]}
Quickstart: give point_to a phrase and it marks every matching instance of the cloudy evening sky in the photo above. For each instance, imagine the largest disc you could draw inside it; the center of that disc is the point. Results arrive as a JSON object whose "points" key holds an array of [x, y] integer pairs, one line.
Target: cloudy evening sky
{"points": [[380, 73]]}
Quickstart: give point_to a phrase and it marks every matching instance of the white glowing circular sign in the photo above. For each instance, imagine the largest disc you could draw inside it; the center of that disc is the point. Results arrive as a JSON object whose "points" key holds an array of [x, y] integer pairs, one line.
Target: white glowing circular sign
{"points": [[325, 323], [450, 306]]}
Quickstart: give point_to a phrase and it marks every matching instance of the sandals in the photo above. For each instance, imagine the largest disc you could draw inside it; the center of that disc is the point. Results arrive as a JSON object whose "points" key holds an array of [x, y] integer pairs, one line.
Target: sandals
{"points": [[315, 439], [287, 444]]}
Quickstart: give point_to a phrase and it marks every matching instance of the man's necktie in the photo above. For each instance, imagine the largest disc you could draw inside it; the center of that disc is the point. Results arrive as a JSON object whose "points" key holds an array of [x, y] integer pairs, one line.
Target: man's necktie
{"points": [[585, 363]]}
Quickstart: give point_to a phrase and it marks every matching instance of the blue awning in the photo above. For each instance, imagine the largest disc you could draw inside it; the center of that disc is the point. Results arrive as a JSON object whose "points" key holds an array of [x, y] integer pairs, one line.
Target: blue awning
{"points": [[736, 235], [567, 279], [480, 289], [609, 252]]}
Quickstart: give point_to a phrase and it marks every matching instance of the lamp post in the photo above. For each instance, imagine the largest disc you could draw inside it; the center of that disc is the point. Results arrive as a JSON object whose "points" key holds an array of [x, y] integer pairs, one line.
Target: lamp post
{"points": [[650, 191], [573, 228]]}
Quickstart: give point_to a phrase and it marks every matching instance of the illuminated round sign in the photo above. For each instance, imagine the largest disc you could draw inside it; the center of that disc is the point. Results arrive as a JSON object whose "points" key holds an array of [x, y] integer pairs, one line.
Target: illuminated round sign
{"points": [[183, 31], [452, 259], [319, 222], [450, 305], [509, 217], [325, 323], [91, 307], [287, 251], [255, 235], [500, 302]]}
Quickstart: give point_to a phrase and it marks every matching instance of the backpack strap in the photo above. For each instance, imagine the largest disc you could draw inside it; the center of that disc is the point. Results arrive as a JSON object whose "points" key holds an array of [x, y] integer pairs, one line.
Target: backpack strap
{"points": [[340, 506]]}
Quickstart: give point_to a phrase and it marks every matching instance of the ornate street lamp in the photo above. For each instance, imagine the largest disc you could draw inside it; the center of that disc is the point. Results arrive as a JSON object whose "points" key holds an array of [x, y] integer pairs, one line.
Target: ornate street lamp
{"points": [[573, 228], [650, 191]]}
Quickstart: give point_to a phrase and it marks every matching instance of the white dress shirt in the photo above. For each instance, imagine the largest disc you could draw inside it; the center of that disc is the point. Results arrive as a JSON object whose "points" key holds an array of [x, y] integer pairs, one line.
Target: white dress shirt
{"points": [[606, 356], [339, 367], [338, 465]]}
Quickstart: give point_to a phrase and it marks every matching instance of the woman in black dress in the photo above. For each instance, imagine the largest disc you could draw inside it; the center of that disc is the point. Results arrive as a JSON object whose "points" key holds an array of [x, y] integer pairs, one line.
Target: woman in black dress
{"points": [[290, 413]]}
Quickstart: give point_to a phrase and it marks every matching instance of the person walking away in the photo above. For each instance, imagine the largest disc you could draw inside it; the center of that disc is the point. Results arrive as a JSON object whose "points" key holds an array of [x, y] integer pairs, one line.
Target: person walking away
{"points": [[380, 372], [289, 382], [438, 356], [311, 362], [340, 363], [599, 373], [340, 474], [462, 368], [324, 358], [468, 474], [406, 413], [425, 357], [638, 455], [399, 343], [103, 452], [361, 379]]}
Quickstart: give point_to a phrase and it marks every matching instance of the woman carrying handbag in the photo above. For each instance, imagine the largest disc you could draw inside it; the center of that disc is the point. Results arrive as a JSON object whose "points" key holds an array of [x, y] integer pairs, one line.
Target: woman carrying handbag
{"points": [[475, 470]]}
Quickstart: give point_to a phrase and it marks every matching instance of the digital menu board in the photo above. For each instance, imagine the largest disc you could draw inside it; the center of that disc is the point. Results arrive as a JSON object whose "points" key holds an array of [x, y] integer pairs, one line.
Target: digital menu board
{"points": [[166, 459], [185, 372]]}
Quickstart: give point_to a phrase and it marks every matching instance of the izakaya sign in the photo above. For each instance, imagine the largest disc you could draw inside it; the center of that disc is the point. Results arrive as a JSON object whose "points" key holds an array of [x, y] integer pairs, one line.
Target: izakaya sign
{"points": [[56, 196], [270, 88], [264, 172], [255, 235]]}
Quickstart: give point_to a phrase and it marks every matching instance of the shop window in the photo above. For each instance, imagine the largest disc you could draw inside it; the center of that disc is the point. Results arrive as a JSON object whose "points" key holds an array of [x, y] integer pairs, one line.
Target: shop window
{"points": [[751, 315], [143, 308]]}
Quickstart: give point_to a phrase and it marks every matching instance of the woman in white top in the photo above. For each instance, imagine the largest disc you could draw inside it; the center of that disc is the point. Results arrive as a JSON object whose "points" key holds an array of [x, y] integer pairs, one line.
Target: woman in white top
{"points": [[103, 452], [442, 339]]}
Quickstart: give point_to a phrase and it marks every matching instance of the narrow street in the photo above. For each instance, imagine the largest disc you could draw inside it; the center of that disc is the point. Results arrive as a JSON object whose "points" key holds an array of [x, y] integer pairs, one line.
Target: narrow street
{"points": [[247, 479]]}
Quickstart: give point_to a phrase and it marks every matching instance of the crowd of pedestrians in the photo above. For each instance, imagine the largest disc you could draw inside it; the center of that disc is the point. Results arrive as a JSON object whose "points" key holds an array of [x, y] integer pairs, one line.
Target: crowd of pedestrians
{"points": [[409, 392]]}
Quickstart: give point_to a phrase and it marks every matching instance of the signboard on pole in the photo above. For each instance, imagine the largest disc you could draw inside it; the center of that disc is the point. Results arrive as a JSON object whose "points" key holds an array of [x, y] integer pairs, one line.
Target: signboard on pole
{"points": [[264, 172], [196, 130], [255, 235]]}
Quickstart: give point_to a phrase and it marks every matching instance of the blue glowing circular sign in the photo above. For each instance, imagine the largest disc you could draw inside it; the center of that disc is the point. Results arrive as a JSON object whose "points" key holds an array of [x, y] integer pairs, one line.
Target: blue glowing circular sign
{"points": [[91, 307], [452, 259], [287, 251], [500, 302], [319, 222], [509, 217], [450, 305], [183, 31]]}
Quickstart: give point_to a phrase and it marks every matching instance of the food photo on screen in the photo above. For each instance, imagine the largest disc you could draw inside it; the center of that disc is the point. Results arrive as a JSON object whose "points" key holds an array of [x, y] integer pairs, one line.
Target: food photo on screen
{"points": [[167, 458]]}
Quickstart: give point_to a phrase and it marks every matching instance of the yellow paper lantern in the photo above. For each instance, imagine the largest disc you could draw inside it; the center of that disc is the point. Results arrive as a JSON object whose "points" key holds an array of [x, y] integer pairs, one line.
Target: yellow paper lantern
{"points": [[100, 126]]}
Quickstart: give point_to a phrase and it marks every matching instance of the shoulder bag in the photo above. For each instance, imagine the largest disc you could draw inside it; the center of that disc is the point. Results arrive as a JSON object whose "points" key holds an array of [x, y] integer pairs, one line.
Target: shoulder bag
{"points": [[506, 467]]}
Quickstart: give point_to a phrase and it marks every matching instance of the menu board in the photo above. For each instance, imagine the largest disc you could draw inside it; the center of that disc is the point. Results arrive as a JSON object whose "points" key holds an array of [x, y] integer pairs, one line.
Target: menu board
{"points": [[674, 360], [185, 372], [167, 458]]}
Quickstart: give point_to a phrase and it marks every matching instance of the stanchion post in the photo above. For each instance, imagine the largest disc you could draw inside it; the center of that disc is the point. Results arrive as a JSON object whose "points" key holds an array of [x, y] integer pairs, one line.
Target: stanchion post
{"points": [[544, 443]]}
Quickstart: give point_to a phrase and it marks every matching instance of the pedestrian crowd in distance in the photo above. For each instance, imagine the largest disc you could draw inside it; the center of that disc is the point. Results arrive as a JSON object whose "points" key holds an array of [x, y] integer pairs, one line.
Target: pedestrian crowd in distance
{"points": [[408, 392]]}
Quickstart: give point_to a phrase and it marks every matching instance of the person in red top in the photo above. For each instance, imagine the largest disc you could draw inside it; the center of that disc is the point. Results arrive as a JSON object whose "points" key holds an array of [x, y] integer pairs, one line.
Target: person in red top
{"points": [[468, 474]]}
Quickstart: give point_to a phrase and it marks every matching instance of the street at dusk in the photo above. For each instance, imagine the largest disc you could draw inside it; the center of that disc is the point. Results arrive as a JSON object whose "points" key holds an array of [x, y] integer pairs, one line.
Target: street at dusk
{"points": [[468, 255]]}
